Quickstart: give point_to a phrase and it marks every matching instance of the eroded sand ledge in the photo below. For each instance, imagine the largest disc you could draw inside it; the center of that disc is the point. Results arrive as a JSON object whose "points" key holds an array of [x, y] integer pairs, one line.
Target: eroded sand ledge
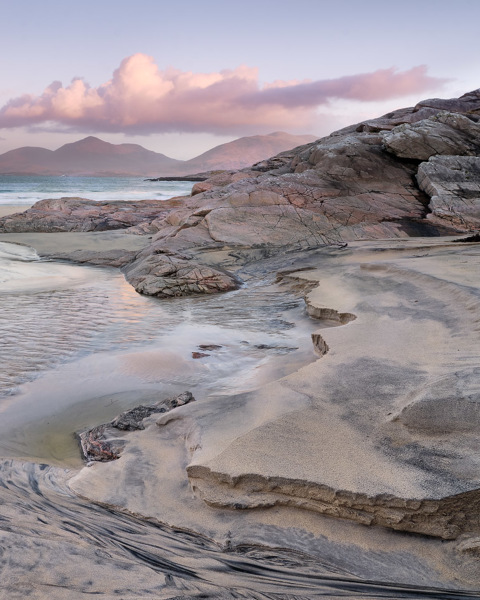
{"points": [[381, 430]]}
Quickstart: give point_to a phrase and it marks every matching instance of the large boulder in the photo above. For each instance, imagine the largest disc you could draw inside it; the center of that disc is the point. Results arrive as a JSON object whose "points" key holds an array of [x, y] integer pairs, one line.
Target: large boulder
{"points": [[453, 183], [169, 275], [446, 133]]}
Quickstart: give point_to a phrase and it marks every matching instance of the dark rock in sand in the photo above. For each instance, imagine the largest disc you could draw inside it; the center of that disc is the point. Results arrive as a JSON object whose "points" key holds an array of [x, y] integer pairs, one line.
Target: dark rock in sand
{"points": [[103, 442], [98, 444], [209, 347], [132, 419]]}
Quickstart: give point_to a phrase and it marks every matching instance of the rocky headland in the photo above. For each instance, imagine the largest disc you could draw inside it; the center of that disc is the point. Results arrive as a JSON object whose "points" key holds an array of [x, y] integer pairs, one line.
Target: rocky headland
{"points": [[382, 429]]}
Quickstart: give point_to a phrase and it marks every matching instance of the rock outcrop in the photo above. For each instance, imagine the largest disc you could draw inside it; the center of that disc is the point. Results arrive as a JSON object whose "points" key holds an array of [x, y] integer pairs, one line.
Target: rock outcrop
{"points": [[105, 442], [446, 134], [453, 183], [357, 183], [385, 432], [79, 214]]}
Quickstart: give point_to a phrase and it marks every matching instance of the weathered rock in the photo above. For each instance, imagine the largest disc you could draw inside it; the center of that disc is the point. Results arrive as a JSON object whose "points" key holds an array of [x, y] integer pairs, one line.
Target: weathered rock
{"points": [[446, 133], [453, 183], [220, 180], [131, 420], [338, 189], [469, 103], [167, 276], [103, 442], [79, 214], [99, 444]]}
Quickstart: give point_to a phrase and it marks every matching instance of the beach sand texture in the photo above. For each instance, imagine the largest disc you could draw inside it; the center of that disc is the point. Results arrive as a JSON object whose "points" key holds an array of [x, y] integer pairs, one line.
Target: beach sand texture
{"points": [[361, 454]]}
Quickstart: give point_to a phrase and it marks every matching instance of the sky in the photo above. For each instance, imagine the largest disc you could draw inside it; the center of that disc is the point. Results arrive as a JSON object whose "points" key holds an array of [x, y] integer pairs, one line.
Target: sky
{"points": [[182, 77]]}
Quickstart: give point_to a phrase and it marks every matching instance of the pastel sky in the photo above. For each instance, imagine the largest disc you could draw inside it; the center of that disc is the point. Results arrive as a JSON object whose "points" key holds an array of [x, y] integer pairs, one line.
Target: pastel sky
{"points": [[181, 77]]}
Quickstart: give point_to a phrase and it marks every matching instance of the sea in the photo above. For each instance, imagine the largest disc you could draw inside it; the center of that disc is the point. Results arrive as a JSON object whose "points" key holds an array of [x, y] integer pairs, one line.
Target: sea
{"points": [[28, 189]]}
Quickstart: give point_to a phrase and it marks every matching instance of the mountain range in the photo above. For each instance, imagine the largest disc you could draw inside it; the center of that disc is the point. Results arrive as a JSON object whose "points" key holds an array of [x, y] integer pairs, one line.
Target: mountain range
{"points": [[93, 156]]}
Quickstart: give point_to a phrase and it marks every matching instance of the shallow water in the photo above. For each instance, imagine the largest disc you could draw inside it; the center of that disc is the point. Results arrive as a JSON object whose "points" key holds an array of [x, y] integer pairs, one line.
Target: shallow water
{"points": [[79, 345]]}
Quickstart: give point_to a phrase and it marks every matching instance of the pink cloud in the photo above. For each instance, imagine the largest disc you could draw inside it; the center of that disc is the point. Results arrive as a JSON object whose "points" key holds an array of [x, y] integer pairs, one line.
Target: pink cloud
{"points": [[141, 98]]}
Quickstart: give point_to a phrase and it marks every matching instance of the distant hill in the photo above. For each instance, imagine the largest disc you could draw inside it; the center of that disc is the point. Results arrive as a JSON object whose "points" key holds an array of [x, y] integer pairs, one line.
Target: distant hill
{"points": [[245, 151], [92, 156]]}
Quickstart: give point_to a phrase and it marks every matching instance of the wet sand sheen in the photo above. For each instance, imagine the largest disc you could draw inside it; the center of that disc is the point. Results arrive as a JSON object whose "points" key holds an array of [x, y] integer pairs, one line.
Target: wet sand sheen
{"points": [[65, 547], [80, 346], [118, 553]]}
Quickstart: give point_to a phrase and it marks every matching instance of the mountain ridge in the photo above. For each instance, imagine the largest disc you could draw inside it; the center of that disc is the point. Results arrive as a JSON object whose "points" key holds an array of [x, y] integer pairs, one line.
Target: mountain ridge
{"points": [[96, 157]]}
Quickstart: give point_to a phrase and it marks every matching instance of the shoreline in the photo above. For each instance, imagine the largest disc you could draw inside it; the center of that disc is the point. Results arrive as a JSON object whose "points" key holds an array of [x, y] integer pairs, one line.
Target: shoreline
{"points": [[365, 458]]}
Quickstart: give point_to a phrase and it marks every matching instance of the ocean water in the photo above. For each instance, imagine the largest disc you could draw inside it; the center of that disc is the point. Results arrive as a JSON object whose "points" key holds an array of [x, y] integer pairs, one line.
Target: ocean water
{"points": [[28, 189]]}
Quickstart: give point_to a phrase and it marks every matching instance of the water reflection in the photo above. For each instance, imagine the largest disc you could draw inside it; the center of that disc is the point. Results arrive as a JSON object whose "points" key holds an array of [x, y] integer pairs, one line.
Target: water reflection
{"points": [[75, 335]]}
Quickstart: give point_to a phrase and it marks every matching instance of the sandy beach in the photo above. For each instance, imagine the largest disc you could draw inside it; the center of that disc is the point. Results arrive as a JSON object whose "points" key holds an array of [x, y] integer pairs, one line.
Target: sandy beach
{"points": [[243, 468], [319, 311], [11, 209]]}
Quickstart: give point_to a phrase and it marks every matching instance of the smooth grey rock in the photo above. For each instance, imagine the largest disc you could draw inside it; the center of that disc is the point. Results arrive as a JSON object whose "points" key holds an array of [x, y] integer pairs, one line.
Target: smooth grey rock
{"points": [[445, 134], [453, 183]]}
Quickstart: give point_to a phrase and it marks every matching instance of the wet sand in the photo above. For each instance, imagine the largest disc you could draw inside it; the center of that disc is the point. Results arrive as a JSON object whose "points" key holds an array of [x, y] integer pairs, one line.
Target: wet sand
{"points": [[244, 469], [336, 437]]}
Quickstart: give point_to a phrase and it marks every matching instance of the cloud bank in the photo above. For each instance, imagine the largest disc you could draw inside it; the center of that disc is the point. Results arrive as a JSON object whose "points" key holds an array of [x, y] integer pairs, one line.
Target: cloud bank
{"points": [[140, 99]]}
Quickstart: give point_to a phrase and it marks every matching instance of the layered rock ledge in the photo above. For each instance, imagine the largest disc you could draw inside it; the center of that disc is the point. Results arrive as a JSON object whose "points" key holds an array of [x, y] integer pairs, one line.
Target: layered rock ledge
{"points": [[381, 430]]}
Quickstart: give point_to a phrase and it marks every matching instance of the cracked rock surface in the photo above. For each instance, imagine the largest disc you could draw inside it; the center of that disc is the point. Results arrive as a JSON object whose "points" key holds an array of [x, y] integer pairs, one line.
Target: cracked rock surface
{"points": [[357, 183], [453, 183], [79, 214]]}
